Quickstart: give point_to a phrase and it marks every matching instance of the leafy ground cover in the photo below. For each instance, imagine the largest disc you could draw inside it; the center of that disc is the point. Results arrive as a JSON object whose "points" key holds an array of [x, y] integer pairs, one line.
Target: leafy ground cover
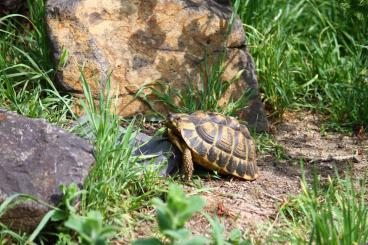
{"points": [[310, 55]]}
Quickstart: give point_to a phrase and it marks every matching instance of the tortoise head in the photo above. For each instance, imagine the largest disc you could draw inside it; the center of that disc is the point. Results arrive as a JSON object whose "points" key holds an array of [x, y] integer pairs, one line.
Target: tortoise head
{"points": [[176, 121], [173, 120]]}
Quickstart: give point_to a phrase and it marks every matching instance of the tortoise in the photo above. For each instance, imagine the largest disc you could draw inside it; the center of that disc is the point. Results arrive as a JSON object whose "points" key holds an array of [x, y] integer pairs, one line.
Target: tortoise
{"points": [[213, 141]]}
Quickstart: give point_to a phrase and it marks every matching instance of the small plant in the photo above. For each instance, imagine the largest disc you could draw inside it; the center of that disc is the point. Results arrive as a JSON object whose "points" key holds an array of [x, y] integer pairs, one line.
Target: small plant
{"points": [[172, 216], [218, 234], [90, 228], [6, 235], [66, 207], [267, 144]]}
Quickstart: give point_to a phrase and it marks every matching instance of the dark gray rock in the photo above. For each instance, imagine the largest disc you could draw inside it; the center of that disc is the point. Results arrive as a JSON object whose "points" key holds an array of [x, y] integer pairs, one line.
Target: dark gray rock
{"points": [[163, 153], [35, 159]]}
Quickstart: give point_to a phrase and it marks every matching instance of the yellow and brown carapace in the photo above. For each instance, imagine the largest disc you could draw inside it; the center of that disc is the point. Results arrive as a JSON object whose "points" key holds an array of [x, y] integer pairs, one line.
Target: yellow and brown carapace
{"points": [[214, 141]]}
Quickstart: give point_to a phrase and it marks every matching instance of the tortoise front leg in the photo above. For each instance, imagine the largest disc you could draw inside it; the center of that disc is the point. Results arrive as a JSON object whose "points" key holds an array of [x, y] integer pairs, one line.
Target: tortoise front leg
{"points": [[187, 163]]}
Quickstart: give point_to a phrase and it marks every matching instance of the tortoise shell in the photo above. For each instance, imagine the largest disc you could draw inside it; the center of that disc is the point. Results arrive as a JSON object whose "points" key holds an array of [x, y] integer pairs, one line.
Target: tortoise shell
{"points": [[217, 142]]}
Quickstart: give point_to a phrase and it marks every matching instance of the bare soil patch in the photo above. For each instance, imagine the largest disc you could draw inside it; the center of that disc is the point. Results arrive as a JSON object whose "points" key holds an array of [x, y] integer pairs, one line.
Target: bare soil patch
{"points": [[245, 204]]}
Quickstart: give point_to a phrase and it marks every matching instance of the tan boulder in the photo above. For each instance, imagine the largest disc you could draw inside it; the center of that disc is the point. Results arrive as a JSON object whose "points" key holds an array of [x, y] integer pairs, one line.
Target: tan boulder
{"points": [[142, 41]]}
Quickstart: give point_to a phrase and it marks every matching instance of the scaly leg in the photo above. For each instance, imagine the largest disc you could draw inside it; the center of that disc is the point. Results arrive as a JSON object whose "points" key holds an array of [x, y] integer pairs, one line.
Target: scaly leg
{"points": [[187, 163]]}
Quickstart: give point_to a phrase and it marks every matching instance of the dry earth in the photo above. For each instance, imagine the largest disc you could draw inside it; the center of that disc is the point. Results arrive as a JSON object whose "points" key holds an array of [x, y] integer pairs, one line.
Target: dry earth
{"points": [[246, 205]]}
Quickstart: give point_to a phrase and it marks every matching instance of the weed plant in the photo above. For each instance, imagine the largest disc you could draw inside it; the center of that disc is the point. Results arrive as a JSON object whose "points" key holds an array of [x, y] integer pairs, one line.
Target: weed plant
{"points": [[311, 54], [90, 229]]}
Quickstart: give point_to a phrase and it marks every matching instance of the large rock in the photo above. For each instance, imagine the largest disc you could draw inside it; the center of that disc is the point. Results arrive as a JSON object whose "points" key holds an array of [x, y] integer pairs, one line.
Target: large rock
{"points": [[142, 41], [35, 159]]}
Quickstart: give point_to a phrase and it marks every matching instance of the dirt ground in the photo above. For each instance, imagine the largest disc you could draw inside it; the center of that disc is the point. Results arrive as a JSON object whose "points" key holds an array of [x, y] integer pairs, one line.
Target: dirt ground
{"points": [[245, 204]]}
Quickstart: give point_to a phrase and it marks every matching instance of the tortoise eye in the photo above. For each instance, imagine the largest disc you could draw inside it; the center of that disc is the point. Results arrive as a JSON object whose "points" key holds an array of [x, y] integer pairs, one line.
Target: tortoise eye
{"points": [[178, 119]]}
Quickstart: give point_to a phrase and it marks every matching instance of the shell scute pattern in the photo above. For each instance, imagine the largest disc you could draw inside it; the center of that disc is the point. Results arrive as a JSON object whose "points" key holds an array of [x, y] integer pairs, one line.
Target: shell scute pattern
{"points": [[187, 133], [207, 132], [249, 169], [225, 139], [202, 149], [240, 170], [218, 119], [245, 131], [220, 143], [223, 159], [232, 123], [241, 147], [232, 165], [212, 154]]}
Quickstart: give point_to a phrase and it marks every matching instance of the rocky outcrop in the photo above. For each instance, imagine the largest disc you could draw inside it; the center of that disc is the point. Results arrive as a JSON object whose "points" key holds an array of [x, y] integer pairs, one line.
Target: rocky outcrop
{"points": [[35, 159], [142, 41]]}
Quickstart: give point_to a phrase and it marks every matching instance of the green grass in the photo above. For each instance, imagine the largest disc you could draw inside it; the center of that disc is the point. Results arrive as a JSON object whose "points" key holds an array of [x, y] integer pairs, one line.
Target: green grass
{"points": [[333, 213], [26, 68], [267, 145], [311, 54], [118, 185]]}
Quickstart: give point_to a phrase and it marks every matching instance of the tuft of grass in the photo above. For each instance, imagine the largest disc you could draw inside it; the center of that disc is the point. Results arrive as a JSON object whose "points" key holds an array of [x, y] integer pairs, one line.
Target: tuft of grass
{"points": [[26, 67], [311, 54], [332, 213], [8, 236], [118, 185], [64, 218]]}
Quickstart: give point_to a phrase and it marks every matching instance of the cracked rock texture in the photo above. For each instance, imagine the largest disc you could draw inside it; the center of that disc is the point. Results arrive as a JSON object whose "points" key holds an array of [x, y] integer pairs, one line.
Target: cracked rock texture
{"points": [[142, 41], [35, 159]]}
